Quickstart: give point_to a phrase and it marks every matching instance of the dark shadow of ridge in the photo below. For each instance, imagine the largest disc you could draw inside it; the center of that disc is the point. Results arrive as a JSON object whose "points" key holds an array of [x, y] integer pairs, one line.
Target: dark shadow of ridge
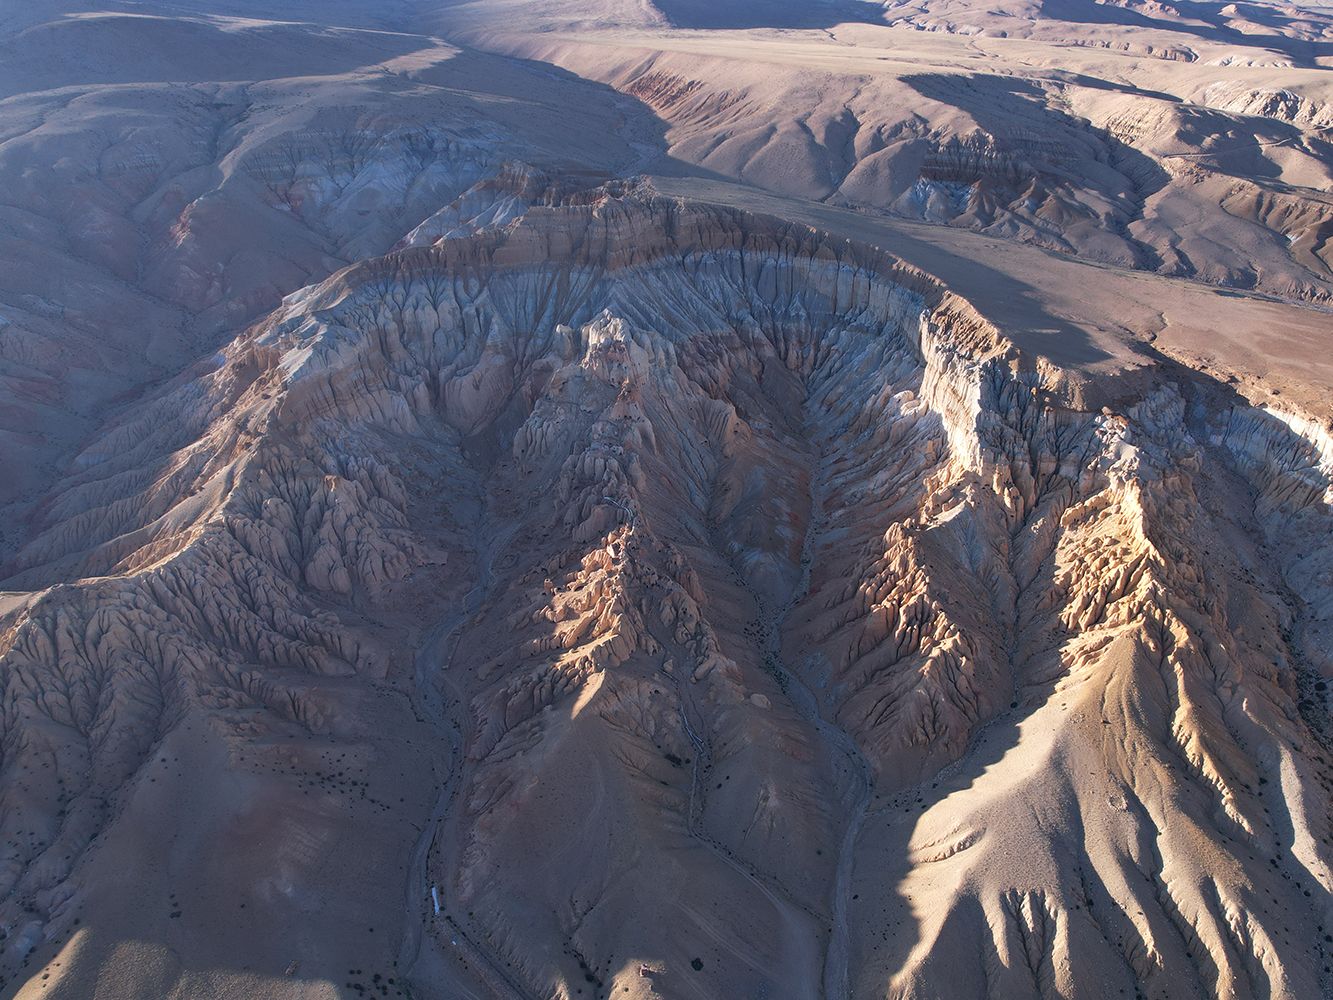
{"points": [[716, 14]]}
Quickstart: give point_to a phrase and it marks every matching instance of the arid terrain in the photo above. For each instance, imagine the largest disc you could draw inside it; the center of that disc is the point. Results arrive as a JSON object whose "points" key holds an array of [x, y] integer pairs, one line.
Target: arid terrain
{"points": [[734, 500]]}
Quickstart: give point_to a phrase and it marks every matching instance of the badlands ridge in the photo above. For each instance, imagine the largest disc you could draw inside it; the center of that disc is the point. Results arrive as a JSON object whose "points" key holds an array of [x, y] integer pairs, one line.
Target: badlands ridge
{"points": [[758, 605], [447, 562]]}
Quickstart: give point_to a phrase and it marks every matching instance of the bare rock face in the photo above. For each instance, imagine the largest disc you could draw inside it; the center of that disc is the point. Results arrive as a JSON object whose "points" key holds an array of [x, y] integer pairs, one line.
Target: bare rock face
{"points": [[638, 598]]}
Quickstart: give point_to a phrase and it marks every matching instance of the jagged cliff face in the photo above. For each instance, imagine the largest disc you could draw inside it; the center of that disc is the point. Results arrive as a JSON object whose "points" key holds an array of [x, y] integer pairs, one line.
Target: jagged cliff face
{"points": [[654, 600]]}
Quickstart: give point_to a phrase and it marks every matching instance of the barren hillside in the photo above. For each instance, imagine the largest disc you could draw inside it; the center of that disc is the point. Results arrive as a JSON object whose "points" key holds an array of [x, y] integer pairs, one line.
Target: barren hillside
{"points": [[556, 500]]}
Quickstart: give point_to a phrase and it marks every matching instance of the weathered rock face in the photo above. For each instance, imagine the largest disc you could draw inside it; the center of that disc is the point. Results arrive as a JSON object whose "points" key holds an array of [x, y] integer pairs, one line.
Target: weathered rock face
{"points": [[676, 603]]}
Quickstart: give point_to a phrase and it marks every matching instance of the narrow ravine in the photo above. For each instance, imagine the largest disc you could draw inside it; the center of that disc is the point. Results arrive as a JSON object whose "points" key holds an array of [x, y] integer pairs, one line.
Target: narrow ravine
{"points": [[431, 674], [771, 624]]}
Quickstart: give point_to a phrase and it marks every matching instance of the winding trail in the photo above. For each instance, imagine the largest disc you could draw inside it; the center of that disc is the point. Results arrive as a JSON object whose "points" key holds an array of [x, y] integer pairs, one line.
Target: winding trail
{"points": [[431, 673], [807, 704]]}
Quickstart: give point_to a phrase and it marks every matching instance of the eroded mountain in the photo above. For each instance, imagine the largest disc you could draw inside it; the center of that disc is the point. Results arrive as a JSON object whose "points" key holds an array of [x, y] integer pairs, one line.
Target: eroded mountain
{"points": [[562, 500], [768, 622]]}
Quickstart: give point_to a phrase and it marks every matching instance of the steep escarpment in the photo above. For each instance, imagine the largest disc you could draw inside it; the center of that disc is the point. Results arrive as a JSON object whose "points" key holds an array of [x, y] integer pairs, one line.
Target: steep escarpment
{"points": [[673, 602]]}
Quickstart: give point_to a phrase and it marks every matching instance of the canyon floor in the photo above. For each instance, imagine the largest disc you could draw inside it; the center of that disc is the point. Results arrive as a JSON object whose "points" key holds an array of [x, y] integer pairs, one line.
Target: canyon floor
{"points": [[590, 498]]}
